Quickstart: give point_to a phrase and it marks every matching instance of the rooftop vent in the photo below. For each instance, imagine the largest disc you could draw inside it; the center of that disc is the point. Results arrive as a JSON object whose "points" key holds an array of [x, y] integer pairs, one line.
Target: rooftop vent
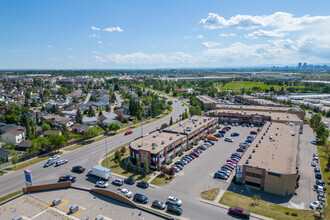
{"points": [[250, 156], [154, 136], [257, 145], [154, 144], [171, 138], [163, 142], [247, 161], [140, 145], [195, 125]]}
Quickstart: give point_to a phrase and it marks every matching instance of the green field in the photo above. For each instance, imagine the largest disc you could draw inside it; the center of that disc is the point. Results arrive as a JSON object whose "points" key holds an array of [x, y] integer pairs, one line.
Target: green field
{"points": [[237, 86]]}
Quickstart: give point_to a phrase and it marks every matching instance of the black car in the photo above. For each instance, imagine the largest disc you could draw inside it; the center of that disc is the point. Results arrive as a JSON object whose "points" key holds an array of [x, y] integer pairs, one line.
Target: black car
{"points": [[240, 150], [78, 169], [318, 175], [249, 140], [129, 181], [179, 163], [158, 204], [72, 179], [140, 198], [143, 184], [173, 208], [316, 169]]}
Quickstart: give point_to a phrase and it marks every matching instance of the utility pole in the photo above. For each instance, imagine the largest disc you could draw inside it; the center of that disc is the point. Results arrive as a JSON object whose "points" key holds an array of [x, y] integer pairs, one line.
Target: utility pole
{"points": [[141, 130]]}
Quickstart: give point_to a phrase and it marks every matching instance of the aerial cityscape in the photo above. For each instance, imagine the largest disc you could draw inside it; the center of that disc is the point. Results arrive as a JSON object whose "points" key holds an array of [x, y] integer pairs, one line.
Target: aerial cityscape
{"points": [[164, 109]]}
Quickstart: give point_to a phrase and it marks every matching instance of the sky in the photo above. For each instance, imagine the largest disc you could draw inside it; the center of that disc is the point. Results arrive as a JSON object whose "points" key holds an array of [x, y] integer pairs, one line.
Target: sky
{"points": [[144, 34]]}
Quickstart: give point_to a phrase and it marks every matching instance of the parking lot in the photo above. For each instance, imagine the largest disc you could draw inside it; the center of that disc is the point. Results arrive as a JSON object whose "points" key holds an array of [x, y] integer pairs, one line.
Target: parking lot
{"points": [[197, 176], [91, 205]]}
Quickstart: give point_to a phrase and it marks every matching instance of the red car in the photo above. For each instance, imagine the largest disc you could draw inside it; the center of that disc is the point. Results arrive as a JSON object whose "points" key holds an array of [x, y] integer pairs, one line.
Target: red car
{"points": [[195, 154], [128, 132], [239, 211], [253, 132], [232, 161]]}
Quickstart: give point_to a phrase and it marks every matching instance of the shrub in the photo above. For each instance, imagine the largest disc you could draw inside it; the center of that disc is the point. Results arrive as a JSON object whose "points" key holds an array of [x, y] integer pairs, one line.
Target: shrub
{"points": [[129, 166], [287, 213], [169, 162], [294, 214], [123, 151]]}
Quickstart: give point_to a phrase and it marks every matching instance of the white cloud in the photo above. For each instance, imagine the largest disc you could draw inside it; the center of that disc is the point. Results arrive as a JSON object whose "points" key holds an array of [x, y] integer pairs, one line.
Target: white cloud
{"points": [[188, 37], [107, 29], [200, 36], [227, 35], [95, 28], [281, 20], [111, 29], [210, 44], [49, 46], [94, 36], [263, 33], [69, 48], [99, 42]]}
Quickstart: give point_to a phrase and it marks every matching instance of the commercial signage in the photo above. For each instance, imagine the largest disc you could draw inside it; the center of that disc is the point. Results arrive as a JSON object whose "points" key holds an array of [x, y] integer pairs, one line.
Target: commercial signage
{"points": [[28, 177]]}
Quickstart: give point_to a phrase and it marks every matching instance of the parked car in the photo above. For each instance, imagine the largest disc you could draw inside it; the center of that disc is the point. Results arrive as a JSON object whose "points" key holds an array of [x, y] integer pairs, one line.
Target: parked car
{"points": [[316, 158], [240, 150], [140, 198], [316, 169], [78, 169], [173, 200], [253, 132], [219, 175], [126, 192], [237, 155], [314, 163], [118, 182], [102, 184], [315, 155], [314, 205], [244, 144], [60, 162], [314, 142], [229, 139], [223, 131], [158, 204], [129, 181], [49, 163], [239, 212], [55, 157], [66, 178], [249, 140], [128, 132], [143, 184], [175, 209], [320, 183], [180, 163], [234, 134], [219, 135], [318, 175]]}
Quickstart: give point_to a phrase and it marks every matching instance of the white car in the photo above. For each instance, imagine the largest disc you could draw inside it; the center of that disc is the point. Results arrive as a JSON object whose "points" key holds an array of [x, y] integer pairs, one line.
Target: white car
{"points": [[229, 139], [60, 162], [102, 184], [55, 157], [316, 158], [173, 200], [313, 163], [315, 204], [126, 192]]}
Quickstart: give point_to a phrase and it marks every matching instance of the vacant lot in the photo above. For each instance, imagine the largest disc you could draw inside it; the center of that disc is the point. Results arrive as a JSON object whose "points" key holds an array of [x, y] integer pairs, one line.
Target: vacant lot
{"points": [[246, 85]]}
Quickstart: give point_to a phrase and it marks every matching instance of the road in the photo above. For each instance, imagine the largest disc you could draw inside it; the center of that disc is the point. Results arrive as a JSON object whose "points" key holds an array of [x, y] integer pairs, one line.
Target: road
{"points": [[87, 98], [89, 156]]}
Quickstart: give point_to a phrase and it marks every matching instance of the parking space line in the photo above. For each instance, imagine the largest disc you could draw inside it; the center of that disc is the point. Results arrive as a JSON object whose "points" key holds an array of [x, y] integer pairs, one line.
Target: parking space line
{"points": [[62, 204], [77, 213], [67, 211]]}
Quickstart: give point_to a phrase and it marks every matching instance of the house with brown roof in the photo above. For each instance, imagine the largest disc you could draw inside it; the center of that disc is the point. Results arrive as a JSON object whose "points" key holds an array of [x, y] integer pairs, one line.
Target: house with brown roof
{"points": [[14, 135], [24, 145]]}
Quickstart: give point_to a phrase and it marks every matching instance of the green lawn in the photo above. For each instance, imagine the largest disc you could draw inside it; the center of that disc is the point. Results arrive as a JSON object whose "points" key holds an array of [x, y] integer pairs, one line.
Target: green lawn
{"points": [[325, 173], [120, 168], [237, 86], [32, 161], [10, 195], [210, 194], [73, 136], [264, 208], [162, 179], [98, 129]]}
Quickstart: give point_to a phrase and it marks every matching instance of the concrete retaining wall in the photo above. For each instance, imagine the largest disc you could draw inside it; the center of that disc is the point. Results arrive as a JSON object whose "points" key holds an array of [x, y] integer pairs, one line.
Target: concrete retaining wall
{"points": [[47, 187], [114, 195]]}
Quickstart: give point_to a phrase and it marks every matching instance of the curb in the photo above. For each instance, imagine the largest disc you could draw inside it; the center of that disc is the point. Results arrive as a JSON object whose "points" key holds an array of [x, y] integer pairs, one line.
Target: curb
{"points": [[159, 214], [12, 198]]}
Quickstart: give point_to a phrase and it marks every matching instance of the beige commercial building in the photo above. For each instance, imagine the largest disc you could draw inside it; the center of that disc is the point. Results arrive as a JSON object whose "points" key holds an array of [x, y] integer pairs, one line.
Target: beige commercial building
{"points": [[269, 164]]}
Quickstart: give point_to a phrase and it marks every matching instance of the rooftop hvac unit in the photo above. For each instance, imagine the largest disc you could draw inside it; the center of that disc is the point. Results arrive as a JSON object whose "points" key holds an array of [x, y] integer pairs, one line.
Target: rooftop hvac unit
{"points": [[257, 145], [140, 145], [254, 150], [154, 136], [200, 123], [154, 144], [247, 161], [259, 141], [171, 138], [163, 142], [195, 125]]}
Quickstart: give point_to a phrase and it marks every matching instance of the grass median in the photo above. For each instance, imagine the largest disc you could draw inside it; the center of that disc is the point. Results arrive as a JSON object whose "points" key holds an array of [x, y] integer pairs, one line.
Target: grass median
{"points": [[210, 194], [264, 208], [10, 195], [162, 179]]}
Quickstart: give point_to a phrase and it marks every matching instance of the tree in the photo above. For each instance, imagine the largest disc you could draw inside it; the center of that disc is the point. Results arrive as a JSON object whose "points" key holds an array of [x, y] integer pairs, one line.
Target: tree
{"points": [[91, 111], [38, 144], [116, 127], [135, 120], [163, 126], [123, 151], [322, 133], [171, 121], [316, 120], [145, 167], [45, 127], [37, 118], [78, 116], [65, 132], [117, 157], [138, 167], [255, 199], [100, 113], [90, 133], [14, 156], [116, 87], [107, 108], [56, 140], [129, 166]]}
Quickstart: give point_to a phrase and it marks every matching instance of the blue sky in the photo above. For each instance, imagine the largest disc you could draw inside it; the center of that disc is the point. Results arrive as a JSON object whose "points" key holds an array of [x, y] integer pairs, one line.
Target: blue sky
{"points": [[81, 34]]}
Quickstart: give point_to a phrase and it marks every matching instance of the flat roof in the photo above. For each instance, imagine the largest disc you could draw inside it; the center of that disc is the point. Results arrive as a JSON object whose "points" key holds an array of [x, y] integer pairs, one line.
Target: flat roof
{"points": [[160, 140], [190, 124], [258, 100], [255, 107], [281, 116], [207, 99], [278, 154]]}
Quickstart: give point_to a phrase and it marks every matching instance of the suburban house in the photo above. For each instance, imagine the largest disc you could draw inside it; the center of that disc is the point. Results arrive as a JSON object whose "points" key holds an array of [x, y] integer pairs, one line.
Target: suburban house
{"points": [[14, 135], [79, 128], [89, 120], [57, 120], [124, 108], [108, 118], [24, 145]]}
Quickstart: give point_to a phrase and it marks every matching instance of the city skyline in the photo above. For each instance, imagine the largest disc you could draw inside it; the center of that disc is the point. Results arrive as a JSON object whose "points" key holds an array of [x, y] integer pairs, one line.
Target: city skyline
{"points": [[171, 34]]}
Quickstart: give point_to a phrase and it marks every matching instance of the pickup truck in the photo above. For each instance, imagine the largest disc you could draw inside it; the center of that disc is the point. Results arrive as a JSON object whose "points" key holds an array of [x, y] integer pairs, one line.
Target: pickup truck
{"points": [[239, 212]]}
